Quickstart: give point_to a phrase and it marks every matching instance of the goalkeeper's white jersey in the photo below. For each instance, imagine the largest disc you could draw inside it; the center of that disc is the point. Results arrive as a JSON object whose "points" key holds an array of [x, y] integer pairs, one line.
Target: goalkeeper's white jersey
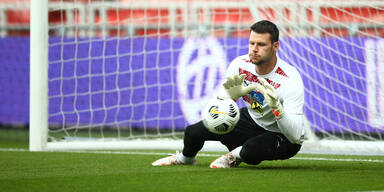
{"points": [[290, 90]]}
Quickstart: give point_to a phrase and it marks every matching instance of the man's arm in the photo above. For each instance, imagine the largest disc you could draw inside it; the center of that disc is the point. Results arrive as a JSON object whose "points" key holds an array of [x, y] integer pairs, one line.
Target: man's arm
{"points": [[289, 116], [292, 126]]}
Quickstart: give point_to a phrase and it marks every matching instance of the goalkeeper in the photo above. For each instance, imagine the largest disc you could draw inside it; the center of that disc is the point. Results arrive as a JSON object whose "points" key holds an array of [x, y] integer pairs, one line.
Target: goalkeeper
{"points": [[271, 124]]}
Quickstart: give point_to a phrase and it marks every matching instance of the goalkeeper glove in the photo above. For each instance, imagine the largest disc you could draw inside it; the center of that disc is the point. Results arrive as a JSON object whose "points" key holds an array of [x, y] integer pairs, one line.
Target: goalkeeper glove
{"points": [[234, 86], [270, 97]]}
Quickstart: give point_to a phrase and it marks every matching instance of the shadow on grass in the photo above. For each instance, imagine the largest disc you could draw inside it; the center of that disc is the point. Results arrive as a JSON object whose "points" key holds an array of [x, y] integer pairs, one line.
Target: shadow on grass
{"points": [[263, 166], [271, 167]]}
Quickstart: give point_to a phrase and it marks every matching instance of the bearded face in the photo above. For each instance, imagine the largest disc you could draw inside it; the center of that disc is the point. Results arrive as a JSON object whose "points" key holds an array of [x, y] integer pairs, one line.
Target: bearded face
{"points": [[261, 49]]}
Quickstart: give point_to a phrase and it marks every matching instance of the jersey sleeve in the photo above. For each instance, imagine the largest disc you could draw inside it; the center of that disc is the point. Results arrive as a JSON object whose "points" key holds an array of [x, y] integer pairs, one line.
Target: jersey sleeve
{"points": [[291, 124]]}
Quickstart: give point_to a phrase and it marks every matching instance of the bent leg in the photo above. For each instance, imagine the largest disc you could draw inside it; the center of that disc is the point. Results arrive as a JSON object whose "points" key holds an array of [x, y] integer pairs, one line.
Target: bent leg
{"points": [[268, 146], [194, 137]]}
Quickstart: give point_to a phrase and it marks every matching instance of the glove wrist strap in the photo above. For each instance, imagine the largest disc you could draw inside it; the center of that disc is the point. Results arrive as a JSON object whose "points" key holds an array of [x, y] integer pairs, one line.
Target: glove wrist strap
{"points": [[278, 111]]}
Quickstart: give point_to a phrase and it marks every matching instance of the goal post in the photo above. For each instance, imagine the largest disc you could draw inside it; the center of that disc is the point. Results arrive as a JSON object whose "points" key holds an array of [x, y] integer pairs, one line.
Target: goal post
{"points": [[128, 74], [38, 130]]}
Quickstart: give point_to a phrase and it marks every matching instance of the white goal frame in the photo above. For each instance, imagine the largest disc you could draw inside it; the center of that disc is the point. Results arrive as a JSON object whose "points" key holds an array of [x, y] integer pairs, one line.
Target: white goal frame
{"points": [[38, 115], [39, 107]]}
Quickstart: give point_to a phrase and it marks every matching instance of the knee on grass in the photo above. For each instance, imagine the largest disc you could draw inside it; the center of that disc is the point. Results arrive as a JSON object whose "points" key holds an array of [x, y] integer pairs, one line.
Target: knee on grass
{"points": [[254, 151]]}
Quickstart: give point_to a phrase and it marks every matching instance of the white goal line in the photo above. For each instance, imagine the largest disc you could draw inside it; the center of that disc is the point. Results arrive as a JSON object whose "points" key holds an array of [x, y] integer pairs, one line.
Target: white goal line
{"points": [[201, 155], [333, 147]]}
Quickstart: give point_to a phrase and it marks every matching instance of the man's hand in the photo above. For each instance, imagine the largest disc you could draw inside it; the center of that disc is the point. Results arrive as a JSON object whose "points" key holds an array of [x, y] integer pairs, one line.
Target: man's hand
{"points": [[270, 97], [234, 86]]}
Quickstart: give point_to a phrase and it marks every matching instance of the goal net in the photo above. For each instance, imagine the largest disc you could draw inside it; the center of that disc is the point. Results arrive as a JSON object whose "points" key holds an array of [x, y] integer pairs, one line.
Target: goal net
{"points": [[123, 74]]}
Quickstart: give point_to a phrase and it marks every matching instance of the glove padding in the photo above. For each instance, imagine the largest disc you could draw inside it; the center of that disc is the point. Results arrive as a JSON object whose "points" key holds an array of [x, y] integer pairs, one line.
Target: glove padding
{"points": [[234, 86], [270, 97]]}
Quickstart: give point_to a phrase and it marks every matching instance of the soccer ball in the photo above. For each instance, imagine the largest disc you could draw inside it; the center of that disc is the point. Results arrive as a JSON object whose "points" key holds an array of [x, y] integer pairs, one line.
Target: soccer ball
{"points": [[220, 115]]}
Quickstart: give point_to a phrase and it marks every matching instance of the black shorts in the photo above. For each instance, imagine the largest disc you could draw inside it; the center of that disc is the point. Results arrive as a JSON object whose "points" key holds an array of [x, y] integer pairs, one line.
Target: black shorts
{"points": [[258, 143]]}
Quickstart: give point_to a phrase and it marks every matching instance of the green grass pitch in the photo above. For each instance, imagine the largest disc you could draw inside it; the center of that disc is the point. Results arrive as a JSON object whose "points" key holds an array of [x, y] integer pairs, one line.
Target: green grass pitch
{"points": [[21, 170]]}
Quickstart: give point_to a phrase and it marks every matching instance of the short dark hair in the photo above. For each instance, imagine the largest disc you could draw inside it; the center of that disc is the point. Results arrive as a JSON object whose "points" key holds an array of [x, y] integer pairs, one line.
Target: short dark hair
{"points": [[265, 26]]}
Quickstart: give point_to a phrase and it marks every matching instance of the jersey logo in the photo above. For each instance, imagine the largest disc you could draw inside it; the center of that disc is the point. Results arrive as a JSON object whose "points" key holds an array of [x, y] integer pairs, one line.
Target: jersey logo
{"points": [[257, 102]]}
